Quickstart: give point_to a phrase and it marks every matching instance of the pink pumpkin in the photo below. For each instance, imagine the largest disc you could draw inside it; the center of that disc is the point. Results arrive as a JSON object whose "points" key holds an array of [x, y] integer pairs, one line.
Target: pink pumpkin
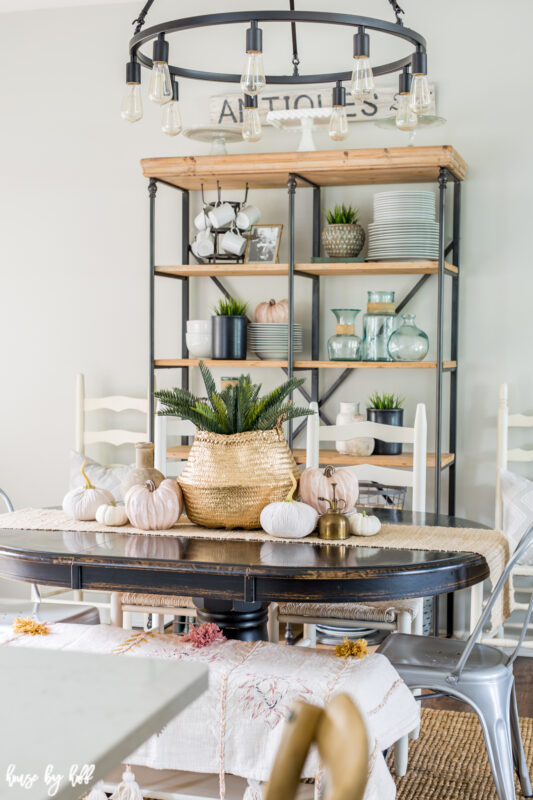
{"points": [[272, 312], [316, 482]]}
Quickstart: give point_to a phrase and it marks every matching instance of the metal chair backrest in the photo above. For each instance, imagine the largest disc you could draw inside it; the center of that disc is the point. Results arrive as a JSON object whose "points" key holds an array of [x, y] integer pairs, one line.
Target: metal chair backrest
{"points": [[340, 734], [525, 542], [417, 436], [504, 455], [117, 403], [6, 500]]}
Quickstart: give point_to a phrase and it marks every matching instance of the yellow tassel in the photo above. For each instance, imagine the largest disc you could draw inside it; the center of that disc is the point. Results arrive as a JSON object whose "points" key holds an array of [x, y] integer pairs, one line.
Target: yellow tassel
{"points": [[348, 649], [30, 626]]}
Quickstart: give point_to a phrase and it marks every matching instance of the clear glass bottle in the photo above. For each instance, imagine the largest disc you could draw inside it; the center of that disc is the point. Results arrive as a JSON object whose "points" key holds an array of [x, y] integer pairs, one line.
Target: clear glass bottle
{"points": [[379, 323], [408, 342], [345, 345]]}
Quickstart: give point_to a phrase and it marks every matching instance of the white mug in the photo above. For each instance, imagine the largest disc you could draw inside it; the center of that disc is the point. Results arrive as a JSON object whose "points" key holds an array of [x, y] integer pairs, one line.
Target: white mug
{"points": [[234, 243], [205, 244], [247, 216], [201, 220], [221, 215]]}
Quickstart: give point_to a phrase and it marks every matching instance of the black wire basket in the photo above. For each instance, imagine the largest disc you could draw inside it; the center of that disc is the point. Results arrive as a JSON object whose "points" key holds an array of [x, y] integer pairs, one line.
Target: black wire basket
{"points": [[376, 495]]}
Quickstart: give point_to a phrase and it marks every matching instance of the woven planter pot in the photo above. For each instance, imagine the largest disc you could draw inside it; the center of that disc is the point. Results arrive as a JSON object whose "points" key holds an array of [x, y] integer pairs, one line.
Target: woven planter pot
{"points": [[228, 480], [343, 241]]}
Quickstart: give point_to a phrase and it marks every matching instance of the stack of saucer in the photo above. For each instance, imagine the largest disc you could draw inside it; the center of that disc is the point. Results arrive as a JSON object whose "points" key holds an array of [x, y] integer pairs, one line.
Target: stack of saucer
{"points": [[404, 227], [270, 340]]}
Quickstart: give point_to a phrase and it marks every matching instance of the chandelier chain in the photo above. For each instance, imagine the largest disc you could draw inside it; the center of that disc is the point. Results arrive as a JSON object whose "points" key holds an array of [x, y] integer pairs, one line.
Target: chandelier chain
{"points": [[397, 10], [140, 20]]}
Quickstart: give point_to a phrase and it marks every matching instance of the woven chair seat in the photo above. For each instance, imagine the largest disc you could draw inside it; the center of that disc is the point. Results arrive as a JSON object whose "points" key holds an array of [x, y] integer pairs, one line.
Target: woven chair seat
{"points": [[369, 612], [156, 600]]}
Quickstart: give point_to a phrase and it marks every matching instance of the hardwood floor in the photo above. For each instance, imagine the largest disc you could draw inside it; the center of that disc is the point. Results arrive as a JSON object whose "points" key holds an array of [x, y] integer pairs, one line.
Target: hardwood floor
{"points": [[523, 670]]}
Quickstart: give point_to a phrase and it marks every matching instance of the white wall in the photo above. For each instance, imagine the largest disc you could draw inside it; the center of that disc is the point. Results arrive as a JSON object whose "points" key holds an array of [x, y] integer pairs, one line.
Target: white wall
{"points": [[74, 205]]}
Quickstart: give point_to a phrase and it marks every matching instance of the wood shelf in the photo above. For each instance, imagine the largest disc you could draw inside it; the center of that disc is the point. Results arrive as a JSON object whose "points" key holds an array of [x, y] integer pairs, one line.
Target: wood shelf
{"points": [[321, 167], [181, 452], [302, 365], [271, 270]]}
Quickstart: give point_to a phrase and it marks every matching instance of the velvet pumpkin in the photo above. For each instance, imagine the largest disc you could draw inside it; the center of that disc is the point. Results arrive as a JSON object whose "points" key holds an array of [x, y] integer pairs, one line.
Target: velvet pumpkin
{"points": [[272, 312], [154, 509], [316, 482]]}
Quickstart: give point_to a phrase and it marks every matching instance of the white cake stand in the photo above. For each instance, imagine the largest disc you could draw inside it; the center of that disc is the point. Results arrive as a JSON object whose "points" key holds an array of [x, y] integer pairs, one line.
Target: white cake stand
{"points": [[424, 121], [217, 135], [301, 121]]}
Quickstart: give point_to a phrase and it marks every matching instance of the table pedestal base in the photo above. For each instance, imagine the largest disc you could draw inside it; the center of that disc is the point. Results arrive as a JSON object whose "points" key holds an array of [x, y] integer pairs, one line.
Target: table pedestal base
{"points": [[237, 620]]}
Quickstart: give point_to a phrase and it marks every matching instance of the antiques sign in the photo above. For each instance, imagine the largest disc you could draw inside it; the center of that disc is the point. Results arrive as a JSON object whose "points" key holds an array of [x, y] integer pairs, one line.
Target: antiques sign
{"points": [[227, 109]]}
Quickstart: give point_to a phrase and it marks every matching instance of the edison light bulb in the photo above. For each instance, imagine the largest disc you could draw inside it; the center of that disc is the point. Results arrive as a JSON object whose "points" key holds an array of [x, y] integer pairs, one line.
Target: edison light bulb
{"points": [[132, 104], [160, 84], [171, 118], [338, 124], [420, 96], [406, 119], [251, 125], [362, 86], [253, 79]]}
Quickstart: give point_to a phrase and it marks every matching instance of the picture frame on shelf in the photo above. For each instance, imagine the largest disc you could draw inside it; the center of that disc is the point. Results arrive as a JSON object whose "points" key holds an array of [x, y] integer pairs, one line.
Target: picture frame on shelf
{"points": [[263, 244]]}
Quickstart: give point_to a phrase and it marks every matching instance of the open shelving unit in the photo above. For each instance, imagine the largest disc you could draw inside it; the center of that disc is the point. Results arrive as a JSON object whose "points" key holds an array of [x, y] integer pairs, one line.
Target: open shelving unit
{"points": [[313, 170]]}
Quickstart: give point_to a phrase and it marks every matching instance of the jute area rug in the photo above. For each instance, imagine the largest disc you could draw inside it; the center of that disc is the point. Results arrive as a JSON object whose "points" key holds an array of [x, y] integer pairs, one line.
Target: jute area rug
{"points": [[449, 760]]}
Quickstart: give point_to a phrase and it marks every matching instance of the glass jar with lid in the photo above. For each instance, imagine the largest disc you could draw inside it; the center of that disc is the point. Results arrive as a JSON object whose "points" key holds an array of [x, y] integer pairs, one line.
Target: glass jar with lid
{"points": [[379, 323]]}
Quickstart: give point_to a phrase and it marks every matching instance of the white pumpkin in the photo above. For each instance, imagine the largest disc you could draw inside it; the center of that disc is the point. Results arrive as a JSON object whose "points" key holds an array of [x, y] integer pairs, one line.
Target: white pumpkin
{"points": [[83, 502], [110, 514], [152, 509], [272, 312], [364, 525], [316, 483], [288, 518]]}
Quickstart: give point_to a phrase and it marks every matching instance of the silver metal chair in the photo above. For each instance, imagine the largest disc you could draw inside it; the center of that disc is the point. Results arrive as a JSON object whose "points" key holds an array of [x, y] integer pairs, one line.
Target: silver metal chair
{"points": [[477, 674], [43, 612]]}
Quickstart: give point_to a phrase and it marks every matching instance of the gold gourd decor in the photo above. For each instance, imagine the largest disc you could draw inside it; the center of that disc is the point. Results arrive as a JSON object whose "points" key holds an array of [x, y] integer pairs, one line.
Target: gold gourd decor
{"points": [[239, 461]]}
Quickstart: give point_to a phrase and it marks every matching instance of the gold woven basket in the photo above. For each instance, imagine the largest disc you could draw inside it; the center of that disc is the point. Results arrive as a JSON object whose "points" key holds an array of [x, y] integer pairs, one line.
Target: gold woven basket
{"points": [[228, 480]]}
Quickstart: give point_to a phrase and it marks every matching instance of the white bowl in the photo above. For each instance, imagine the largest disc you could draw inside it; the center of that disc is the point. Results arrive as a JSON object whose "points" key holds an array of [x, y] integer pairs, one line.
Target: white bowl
{"points": [[199, 344], [202, 326]]}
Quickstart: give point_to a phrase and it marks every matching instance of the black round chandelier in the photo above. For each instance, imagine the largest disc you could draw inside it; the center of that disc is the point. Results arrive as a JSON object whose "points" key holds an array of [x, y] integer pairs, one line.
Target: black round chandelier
{"points": [[413, 96]]}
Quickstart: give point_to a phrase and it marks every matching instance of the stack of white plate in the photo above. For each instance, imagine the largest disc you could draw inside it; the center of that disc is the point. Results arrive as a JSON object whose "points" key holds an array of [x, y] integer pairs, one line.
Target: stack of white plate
{"points": [[404, 227], [270, 340]]}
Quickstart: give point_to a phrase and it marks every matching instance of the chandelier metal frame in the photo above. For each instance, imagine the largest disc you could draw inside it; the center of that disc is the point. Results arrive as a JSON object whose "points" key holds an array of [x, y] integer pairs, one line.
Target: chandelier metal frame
{"points": [[396, 29]]}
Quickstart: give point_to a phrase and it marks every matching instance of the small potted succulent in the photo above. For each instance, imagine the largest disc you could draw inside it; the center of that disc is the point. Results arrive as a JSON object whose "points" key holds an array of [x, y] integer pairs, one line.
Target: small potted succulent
{"points": [[387, 409], [343, 237], [228, 329]]}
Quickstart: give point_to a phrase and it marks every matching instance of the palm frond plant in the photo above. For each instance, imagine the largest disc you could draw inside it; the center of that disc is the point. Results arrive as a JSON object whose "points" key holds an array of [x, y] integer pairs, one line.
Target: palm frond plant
{"points": [[236, 408], [343, 215]]}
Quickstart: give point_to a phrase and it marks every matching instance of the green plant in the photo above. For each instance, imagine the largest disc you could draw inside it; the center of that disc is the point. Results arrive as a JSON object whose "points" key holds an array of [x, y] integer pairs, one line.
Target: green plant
{"points": [[230, 307], [385, 401], [236, 408], [343, 215]]}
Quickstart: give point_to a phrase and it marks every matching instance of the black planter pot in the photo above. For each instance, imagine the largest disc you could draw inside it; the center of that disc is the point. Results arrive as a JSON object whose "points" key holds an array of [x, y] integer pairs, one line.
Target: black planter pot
{"points": [[228, 337], [387, 416]]}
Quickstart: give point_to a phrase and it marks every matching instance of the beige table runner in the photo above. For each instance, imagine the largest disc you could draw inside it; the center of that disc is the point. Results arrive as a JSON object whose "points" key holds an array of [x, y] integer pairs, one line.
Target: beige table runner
{"points": [[490, 544]]}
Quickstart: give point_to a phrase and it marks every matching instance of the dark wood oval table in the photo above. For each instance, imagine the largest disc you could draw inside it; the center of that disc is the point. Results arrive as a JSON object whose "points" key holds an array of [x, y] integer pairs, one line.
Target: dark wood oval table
{"points": [[232, 582]]}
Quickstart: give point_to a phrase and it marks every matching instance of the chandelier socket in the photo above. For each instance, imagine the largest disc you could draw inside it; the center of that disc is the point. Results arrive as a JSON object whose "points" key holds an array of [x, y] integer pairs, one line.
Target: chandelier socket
{"points": [[175, 88], [404, 81], [339, 95], [161, 49], [419, 62], [133, 72], [361, 43], [254, 38]]}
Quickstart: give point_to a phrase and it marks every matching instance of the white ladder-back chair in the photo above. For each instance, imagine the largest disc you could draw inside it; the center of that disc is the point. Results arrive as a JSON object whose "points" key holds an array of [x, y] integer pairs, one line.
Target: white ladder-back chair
{"points": [[504, 456], [405, 616]]}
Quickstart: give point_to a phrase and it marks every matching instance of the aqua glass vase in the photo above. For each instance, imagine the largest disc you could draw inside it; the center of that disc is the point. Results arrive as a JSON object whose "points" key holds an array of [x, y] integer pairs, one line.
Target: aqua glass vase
{"points": [[379, 323], [345, 345], [408, 343]]}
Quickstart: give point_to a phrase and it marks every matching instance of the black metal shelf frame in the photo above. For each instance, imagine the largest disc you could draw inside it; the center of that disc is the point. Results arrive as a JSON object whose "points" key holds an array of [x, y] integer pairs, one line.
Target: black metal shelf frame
{"points": [[453, 247]]}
